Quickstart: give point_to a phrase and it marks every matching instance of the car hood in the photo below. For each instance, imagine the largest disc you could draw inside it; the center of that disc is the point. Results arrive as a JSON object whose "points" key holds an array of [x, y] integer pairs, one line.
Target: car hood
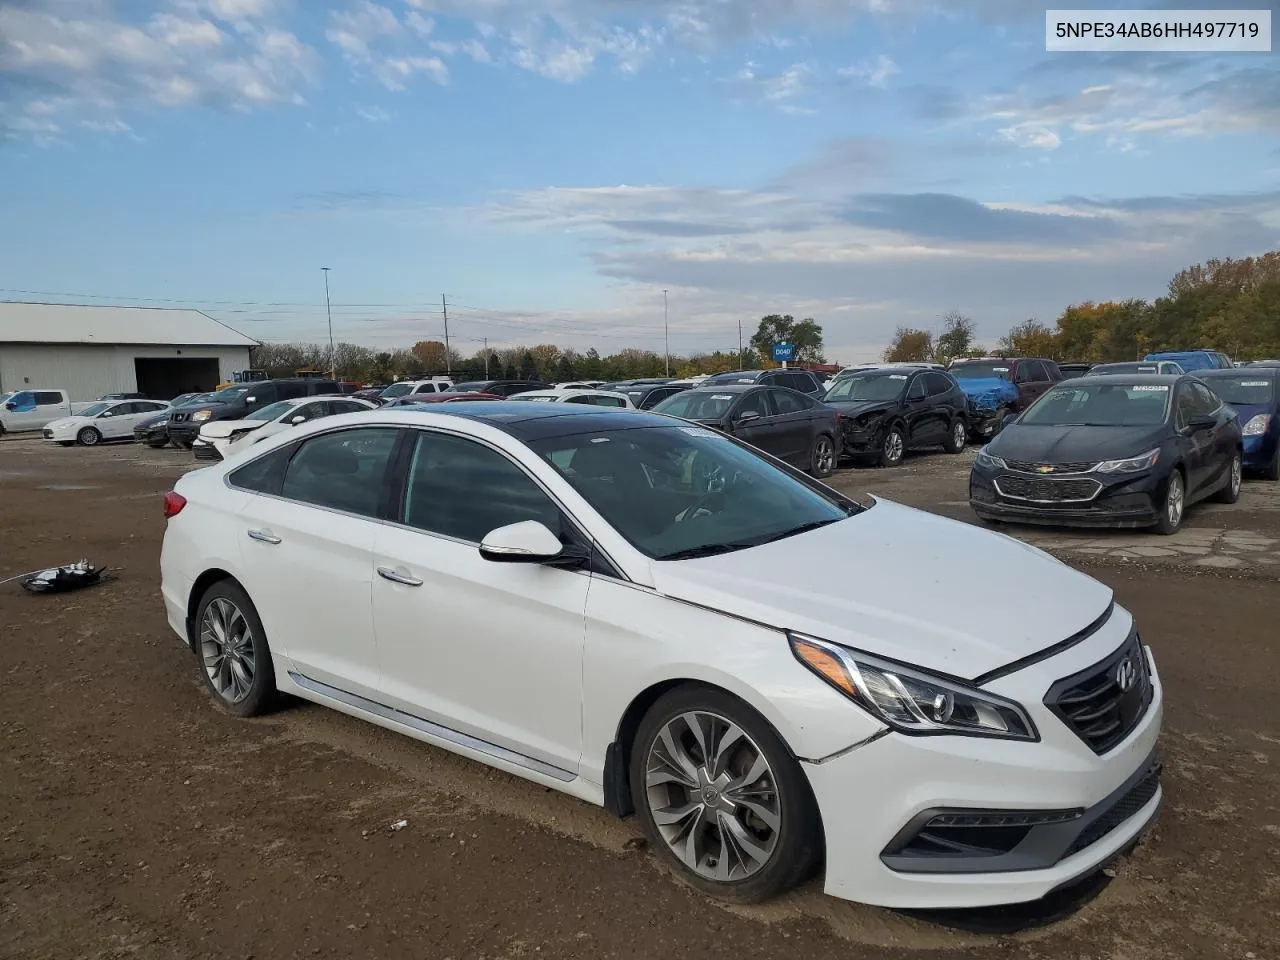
{"points": [[903, 584], [977, 386], [66, 422], [1074, 444], [1247, 411], [858, 408], [193, 408], [224, 428]]}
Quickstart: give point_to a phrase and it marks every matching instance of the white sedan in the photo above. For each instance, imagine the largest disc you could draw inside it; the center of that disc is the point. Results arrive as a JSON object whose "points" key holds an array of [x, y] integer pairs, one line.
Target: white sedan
{"points": [[104, 420], [597, 398], [650, 616], [220, 439]]}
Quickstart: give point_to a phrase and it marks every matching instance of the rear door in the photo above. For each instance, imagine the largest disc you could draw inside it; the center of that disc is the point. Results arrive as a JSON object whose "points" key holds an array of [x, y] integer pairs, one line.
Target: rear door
{"points": [[1197, 445], [1032, 380], [761, 430]]}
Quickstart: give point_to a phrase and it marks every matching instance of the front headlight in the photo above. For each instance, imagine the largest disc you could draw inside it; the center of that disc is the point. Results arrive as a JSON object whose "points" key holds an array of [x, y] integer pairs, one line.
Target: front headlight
{"points": [[912, 701], [1132, 465], [200, 416], [1258, 425], [989, 461]]}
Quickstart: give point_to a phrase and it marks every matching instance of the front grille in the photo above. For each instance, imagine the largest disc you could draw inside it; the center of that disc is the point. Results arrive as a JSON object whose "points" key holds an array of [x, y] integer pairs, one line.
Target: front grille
{"points": [[1128, 805], [1104, 703], [1047, 490], [177, 418], [1030, 466]]}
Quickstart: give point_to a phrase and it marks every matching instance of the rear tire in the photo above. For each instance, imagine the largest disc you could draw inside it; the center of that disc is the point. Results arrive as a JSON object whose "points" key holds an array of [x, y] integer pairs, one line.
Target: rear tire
{"points": [[1174, 506], [752, 840], [1272, 472], [89, 437], [1235, 477], [822, 458], [235, 658], [958, 437]]}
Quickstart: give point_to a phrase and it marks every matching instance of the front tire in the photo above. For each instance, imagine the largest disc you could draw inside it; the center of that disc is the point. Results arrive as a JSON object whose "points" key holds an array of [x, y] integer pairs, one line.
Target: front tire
{"points": [[1235, 476], [722, 799], [89, 437], [893, 447], [1174, 506], [822, 458], [959, 436], [157, 444], [235, 658]]}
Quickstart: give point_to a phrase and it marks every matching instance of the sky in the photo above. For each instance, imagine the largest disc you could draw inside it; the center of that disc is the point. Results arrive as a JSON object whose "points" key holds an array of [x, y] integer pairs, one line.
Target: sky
{"points": [[574, 171]]}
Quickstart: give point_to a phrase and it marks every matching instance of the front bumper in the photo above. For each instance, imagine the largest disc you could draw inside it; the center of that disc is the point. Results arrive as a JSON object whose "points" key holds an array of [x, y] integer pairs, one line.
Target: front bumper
{"points": [[184, 433], [202, 449], [1107, 502], [873, 795], [1260, 451]]}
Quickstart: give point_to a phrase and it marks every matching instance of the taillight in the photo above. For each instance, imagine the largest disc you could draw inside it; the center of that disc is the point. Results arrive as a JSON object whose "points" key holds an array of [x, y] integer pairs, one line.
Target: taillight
{"points": [[173, 504]]}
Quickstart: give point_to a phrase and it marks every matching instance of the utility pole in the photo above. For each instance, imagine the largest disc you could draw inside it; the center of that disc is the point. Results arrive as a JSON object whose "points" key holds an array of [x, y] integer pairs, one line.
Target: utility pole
{"points": [[448, 363], [486, 357], [333, 369], [666, 340], [739, 341]]}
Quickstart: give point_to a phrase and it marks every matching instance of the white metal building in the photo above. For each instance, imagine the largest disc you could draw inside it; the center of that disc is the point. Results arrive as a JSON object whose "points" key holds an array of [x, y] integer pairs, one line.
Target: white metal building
{"points": [[92, 351]]}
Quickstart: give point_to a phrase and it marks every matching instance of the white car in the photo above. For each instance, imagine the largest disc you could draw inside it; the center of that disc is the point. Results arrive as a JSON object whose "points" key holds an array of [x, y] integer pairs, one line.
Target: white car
{"points": [[650, 616], [220, 439], [598, 398], [104, 420], [580, 385]]}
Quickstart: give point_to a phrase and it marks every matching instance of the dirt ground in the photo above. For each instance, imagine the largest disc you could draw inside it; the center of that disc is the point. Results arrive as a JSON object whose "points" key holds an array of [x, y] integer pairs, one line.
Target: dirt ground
{"points": [[137, 820]]}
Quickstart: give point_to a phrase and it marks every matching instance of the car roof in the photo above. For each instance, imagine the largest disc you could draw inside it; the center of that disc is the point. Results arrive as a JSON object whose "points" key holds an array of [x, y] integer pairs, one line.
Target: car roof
{"points": [[534, 421], [725, 388], [1250, 371], [1138, 378]]}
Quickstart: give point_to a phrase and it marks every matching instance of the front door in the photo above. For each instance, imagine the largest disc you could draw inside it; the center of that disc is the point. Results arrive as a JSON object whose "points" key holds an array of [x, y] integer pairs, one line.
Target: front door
{"points": [[315, 539], [489, 650], [915, 410], [794, 425], [761, 430]]}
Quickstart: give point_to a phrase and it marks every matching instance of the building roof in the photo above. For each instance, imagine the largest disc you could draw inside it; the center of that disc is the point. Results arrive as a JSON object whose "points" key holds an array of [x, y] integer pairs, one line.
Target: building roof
{"points": [[74, 323]]}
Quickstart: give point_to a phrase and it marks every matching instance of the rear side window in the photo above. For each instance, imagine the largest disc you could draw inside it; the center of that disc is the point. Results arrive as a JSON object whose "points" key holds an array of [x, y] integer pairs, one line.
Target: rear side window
{"points": [[341, 471], [936, 384], [787, 402], [285, 391], [46, 398], [263, 474]]}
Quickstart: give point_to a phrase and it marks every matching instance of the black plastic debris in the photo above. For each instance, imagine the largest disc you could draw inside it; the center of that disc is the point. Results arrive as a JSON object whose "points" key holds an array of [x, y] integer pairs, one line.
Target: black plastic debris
{"points": [[71, 576]]}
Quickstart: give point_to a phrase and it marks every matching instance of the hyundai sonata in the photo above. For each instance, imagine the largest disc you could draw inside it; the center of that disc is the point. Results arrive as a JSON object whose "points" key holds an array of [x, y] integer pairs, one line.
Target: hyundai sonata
{"points": [[651, 616]]}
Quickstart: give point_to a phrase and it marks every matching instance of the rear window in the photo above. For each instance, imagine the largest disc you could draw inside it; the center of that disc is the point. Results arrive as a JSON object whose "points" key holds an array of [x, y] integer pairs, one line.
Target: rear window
{"points": [[1244, 390]]}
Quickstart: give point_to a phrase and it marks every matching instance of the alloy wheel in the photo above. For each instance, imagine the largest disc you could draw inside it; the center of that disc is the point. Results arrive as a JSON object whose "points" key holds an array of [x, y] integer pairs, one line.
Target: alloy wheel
{"points": [[1237, 476], [894, 447], [226, 645], [1174, 500], [826, 455], [959, 434], [713, 796]]}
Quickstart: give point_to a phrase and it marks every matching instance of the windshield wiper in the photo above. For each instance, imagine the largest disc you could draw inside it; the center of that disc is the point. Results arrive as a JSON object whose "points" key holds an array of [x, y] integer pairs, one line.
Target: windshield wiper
{"points": [[803, 528], [706, 550]]}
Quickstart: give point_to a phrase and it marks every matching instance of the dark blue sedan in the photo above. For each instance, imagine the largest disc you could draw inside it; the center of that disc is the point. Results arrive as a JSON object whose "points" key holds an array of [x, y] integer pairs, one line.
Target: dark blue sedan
{"points": [[1254, 392]]}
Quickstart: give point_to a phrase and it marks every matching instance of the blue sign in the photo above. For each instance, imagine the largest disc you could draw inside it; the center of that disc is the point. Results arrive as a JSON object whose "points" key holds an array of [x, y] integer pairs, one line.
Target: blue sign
{"points": [[782, 352]]}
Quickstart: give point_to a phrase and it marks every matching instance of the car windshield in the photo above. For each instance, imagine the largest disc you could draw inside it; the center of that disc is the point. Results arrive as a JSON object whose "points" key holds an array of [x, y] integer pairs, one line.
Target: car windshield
{"points": [[229, 394], [1107, 368], [1244, 390], [867, 387], [697, 405], [741, 376], [979, 371], [471, 386], [95, 408], [681, 492], [1081, 403], [271, 411], [395, 390]]}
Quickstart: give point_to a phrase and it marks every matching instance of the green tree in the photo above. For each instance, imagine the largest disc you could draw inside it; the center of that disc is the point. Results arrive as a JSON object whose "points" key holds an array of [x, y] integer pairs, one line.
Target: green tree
{"points": [[528, 367], [564, 369], [1031, 338], [509, 373], [805, 336], [956, 339]]}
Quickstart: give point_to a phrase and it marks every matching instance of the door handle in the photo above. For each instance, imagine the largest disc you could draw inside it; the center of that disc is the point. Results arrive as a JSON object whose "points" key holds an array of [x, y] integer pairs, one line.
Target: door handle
{"points": [[388, 574], [266, 536]]}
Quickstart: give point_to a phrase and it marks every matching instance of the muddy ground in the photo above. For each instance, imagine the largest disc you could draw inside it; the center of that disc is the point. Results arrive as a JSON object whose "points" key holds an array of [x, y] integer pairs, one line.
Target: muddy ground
{"points": [[136, 820]]}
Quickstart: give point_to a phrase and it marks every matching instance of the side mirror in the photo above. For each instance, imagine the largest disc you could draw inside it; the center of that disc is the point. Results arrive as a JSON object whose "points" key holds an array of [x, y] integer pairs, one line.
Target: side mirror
{"points": [[250, 399], [746, 417], [298, 419], [1202, 421], [106, 413], [526, 542], [11, 406]]}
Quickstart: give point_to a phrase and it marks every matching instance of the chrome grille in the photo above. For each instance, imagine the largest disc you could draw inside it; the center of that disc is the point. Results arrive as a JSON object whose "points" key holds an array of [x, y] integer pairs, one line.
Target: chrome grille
{"points": [[1096, 705], [1030, 466], [1047, 490]]}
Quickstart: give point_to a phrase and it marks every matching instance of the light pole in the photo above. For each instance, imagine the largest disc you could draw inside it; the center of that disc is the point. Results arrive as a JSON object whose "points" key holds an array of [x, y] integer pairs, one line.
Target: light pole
{"points": [[333, 369], [666, 339]]}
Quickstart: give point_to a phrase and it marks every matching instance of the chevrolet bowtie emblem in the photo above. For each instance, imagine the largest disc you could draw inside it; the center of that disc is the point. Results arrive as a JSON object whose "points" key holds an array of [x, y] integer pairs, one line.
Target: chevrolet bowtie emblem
{"points": [[1044, 468]]}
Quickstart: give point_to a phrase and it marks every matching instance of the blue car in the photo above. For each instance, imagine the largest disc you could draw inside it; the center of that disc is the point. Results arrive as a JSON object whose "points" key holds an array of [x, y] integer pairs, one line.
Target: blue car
{"points": [[1254, 392], [1193, 361]]}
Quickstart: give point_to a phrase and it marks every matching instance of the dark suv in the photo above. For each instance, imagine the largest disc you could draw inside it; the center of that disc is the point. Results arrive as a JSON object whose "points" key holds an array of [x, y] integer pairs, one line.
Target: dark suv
{"points": [[801, 380], [500, 388], [885, 412], [238, 401], [998, 386]]}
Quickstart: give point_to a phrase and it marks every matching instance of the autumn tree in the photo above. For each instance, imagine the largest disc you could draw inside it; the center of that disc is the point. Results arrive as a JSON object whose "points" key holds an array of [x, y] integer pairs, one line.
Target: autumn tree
{"points": [[909, 346], [957, 338], [1031, 338], [804, 335]]}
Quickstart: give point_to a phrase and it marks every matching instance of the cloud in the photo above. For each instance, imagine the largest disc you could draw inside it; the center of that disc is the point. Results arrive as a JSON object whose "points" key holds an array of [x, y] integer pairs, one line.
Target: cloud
{"points": [[780, 89], [65, 61], [875, 73], [374, 41]]}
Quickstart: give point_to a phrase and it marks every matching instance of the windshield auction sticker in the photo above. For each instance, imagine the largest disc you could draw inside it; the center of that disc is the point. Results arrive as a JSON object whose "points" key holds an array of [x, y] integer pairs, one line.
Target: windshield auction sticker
{"points": [[1158, 31], [1150, 388]]}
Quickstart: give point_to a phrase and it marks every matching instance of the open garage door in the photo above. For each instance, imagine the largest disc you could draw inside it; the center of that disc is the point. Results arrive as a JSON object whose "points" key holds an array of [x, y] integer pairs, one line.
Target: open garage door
{"points": [[164, 378]]}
